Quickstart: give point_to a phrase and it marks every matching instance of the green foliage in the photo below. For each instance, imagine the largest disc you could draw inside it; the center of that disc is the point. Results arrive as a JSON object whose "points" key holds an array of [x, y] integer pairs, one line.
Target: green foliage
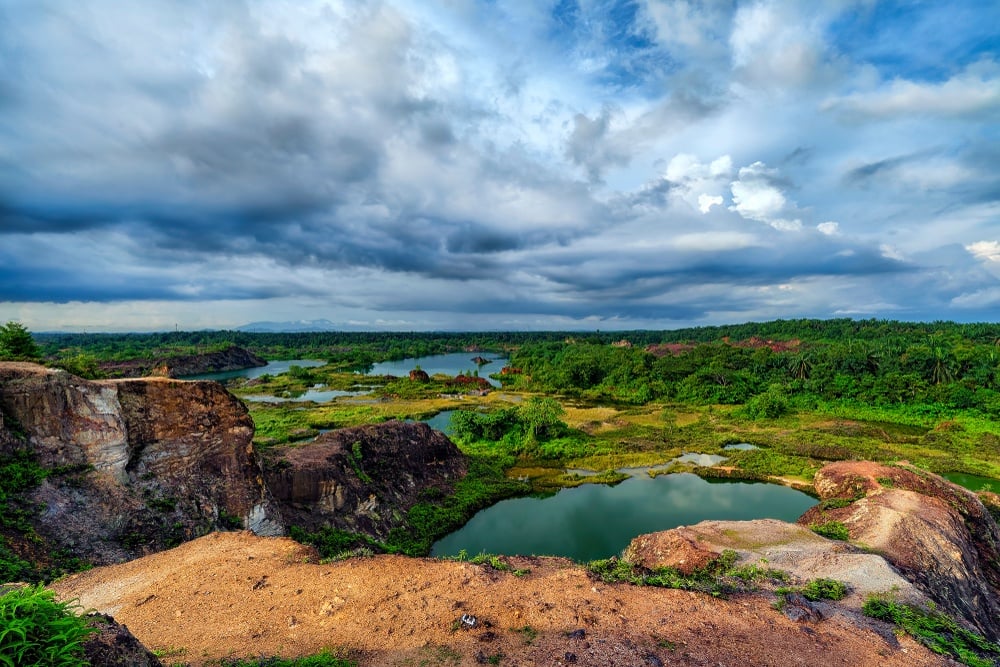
{"points": [[324, 658], [833, 530], [18, 473], [936, 630], [824, 589], [17, 344], [769, 405], [36, 629], [718, 577]]}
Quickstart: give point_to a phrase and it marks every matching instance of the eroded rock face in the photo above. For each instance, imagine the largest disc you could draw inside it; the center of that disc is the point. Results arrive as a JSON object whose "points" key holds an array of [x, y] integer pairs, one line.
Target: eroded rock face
{"points": [[231, 359], [141, 464], [361, 479], [937, 534]]}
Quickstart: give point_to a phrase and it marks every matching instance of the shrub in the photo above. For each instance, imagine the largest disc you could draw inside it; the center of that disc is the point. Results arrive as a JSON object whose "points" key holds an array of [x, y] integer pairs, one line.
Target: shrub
{"points": [[36, 629], [936, 630], [824, 589], [769, 405], [833, 530]]}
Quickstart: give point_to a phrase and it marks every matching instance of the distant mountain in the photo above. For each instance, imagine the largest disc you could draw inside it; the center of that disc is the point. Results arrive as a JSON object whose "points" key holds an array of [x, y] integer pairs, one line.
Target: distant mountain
{"points": [[289, 327]]}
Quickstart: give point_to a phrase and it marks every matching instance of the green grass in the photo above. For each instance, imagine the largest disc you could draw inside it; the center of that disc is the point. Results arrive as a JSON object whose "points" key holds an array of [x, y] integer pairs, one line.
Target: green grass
{"points": [[719, 577], [833, 530], [322, 659], [36, 629], [936, 630]]}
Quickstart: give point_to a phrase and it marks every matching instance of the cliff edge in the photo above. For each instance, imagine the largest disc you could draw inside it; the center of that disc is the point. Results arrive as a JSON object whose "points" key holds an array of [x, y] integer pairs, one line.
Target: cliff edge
{"points": [[133, 466]]}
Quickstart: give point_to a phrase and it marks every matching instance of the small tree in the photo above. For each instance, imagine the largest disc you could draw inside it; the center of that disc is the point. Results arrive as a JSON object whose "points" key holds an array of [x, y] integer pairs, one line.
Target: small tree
{"points": [[16, 343], [542, 416]]}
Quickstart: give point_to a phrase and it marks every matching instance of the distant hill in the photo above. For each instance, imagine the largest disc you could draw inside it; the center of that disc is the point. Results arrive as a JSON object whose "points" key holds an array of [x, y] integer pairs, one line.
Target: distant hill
{"points": [[289, 327]]}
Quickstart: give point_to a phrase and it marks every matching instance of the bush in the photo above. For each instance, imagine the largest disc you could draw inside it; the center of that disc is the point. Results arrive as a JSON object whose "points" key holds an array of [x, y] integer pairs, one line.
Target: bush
{"points": [[770, 405], [824, 589], [935, 630], [36, 629], [833, 530]]}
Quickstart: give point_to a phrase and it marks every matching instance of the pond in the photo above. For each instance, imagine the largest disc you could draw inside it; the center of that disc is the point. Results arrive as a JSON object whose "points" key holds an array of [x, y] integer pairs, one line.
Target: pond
{"points": [[449, 364], [441, 421], [272, 368], [316, 395], [598, 521], [973, 482]]}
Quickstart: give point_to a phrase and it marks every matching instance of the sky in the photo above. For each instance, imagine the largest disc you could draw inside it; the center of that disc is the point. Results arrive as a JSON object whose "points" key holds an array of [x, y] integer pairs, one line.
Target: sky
{"points": [[495, 165]]}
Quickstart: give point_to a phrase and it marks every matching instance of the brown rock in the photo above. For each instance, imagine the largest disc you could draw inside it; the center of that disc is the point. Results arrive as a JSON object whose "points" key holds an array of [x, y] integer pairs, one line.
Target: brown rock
{"points": [[362, 479], [418, 375], [678, 548], [143, 464]]}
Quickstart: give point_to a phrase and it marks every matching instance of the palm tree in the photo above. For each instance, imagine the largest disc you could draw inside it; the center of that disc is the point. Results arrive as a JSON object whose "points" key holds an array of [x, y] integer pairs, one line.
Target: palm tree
{"points": [[801, 366]]}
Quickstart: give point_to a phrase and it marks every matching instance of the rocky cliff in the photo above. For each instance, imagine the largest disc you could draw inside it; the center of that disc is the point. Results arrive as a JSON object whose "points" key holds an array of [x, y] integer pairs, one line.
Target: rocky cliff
{"points": [[937, 534], [135, 466], [361, 479], [231, 359]]}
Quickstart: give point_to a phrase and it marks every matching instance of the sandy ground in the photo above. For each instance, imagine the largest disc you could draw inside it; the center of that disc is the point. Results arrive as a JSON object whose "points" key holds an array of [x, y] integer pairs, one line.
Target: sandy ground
{"points": [[238, 595]]}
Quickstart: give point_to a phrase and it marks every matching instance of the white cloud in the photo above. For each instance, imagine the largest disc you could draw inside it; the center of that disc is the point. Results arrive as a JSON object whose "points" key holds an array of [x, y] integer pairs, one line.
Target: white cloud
{"points": [[975, 90], [756, 197], [985, 250], [891, 252], [706, 202], [773, 45], [828, 228], [698, 183]]}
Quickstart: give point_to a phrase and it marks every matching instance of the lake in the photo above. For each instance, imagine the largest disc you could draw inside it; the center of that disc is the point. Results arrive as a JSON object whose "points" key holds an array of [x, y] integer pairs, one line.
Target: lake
{"points": [[448, 364], [598, 521], [272, 368]]}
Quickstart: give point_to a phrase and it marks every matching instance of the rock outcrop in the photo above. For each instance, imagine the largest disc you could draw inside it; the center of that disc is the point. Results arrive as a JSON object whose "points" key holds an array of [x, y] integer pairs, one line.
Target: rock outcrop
{"points": [[794, 549], [136, 465], [233, 358], [362, 479], [937, 534]]}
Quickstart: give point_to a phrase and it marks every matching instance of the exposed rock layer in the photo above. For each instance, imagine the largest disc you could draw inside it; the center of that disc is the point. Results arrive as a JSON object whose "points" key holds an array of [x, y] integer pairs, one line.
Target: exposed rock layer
{"points": [[138, 465], [231, 359], [937, 534], [361, 479]]}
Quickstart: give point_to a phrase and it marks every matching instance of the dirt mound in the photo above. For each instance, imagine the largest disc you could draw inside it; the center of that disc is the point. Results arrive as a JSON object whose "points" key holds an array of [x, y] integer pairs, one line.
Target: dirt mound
{"points": [[234, 594]]}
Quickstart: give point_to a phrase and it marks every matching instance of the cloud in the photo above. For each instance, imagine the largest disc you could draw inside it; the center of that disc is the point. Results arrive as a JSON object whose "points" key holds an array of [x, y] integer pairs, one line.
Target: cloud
{"points": [[590, 146], [773, 46], [756, 196], [974, 91], [577, 164], [985, 250], [706, 202]]}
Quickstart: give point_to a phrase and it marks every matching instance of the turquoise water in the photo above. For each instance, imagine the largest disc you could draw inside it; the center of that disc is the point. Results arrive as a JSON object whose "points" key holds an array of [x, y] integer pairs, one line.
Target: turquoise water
{"points": [[598, 521], [272, 368], [449, 364]]}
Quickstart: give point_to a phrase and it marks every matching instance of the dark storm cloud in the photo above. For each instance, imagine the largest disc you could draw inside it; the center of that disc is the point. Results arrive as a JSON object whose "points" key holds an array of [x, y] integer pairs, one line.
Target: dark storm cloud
{"points": [[422, 158]]}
